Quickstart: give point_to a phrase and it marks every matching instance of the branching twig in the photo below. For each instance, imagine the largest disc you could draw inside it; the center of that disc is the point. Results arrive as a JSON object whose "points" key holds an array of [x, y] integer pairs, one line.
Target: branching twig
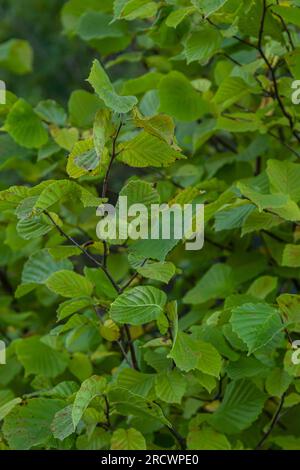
{"points": [[84, 251], [272, 72], [119, 343]]}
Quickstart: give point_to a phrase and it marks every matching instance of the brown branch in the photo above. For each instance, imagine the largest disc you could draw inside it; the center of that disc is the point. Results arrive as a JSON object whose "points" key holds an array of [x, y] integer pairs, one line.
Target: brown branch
{"points": [[119, 343], [180, 439], [113, 156], [259, 48], [285, 27], [131, 348], [84, 251], [272, 424], [108, 423], [272, 73], [284, 144]]}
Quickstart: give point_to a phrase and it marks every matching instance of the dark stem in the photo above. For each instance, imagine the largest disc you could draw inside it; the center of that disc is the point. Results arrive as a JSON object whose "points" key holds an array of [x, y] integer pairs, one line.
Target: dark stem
{"points": [[285, 28], [272, 424], [99, 313], [84, 251], [131, 348], [272, 72], [180, 439], [108, 423], [113, 156]]}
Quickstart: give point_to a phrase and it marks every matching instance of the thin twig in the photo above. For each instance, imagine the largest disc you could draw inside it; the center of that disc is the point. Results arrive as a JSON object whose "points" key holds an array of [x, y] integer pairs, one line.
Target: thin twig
{"points": [[272, 73], [84, 251], [107, 411], [272, 424], [131, 347], [119, 343], [285, 27], [113, 156], [178, 437]]}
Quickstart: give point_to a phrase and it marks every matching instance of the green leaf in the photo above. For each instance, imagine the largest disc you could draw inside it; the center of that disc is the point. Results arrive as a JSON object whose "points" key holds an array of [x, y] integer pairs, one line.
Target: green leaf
{"points": [[179, 99], [154, 249], [209, 6], [71, 306], [263, 286], [161, 126], [65, 138], [139, 192], [278, 382], [134, 9], [202, 44], [207, 439], [90, 388], [83, 107], [38, 358], [136, 382], [147, 150], [246, 367], [128, 439], [162, 272], [103, 286], [64, 251], [16, 56], [217, 282], [231, 90], [232, 217], [279, 204], [189, 353], [127, 403], [288, 13], [32, 420], [138, 305], [170, 386], [177, 16], [110, 331], [139, 85], [289, 305], [69, 284], [36, 226], [284, 177], [259, 221], [256, 324], [291, 256], [62, 424], [104, 89], [286, 442], [50, 111], [39, 267], [7, 407], [25, 127], [242, 404], [98, 25], [80, 366], [80, 151], [99, 439], [101, 132]]}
